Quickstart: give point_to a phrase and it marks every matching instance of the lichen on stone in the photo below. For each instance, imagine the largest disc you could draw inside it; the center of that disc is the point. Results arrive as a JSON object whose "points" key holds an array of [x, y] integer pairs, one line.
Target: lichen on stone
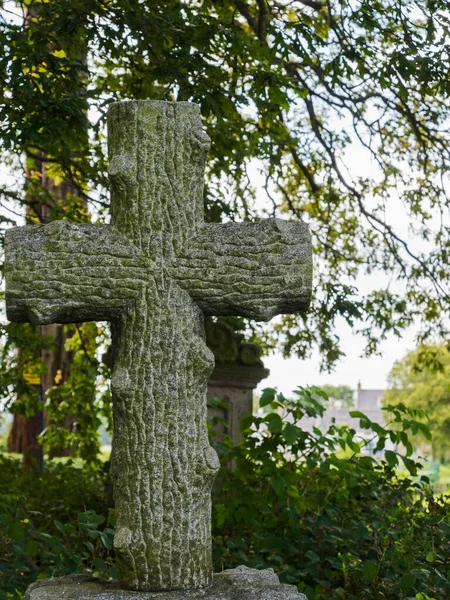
{"points": [[234, 584], [153, 272]]}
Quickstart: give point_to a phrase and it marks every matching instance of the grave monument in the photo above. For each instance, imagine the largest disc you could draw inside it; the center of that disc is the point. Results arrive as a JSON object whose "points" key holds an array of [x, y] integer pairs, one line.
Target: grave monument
{"points": [[154, 272], [238, 370]]}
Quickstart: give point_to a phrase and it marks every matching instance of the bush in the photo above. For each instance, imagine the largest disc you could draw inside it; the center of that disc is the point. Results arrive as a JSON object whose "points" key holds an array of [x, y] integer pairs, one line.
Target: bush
{"points": [[48, 525], [325, 516]]}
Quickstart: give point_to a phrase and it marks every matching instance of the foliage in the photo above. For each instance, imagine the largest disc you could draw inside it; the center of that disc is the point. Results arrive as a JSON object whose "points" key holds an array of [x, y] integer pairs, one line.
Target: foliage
{"points": [[326, 516], [46, 528], [344, 393], [426, 389], [84, 397], [294, 89], [312, 506], [29, 553], [63, 489]]}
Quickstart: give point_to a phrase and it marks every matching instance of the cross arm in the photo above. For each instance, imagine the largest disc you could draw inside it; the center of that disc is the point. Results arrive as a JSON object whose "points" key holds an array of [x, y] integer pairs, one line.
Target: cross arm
{"points": [[65, 272], [256, 270]]}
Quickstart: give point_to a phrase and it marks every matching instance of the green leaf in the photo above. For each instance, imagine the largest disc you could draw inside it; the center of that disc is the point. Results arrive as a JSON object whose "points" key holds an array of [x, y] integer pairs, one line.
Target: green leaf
{"points": [[267, 396], [107, 540], [407, 581], [354, 446], [93, 533], [94, 518], [281, 399], [59, 526], [290, 433], [444, 528], [32, 548], [370, 570], [14, 530], [325, 467], [425, 431], [391, 458], [362, 532], [313, 557], [274, 423], [410, 465], [90, 519], [356, 414], [246, 422], [278, 484], [99, 564]]}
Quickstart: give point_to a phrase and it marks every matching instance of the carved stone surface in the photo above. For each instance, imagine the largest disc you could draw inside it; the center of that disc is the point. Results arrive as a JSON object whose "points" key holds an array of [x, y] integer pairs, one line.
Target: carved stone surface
{"points": [[233, 385], [235, 584], [237, 372], [152, 272], [230, 347]]}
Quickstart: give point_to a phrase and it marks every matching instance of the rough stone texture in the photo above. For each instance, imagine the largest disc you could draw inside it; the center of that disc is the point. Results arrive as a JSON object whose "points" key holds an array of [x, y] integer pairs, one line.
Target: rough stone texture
{"points": [[235, 584], [151, 272], [230, 347]]}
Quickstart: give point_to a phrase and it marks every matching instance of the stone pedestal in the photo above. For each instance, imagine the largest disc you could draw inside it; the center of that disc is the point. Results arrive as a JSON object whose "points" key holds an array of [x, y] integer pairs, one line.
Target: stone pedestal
{"points": [[234, 584], [238, 370], [234, 385]]}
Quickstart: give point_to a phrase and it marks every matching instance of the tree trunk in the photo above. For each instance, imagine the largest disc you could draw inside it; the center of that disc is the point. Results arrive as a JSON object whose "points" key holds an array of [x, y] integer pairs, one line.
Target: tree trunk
{"points": [[33, 456], [24, 432]]}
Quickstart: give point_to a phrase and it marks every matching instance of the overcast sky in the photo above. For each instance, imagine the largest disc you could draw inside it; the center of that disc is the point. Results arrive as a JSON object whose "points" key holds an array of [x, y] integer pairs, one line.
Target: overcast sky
{"points": [[287, 374]]}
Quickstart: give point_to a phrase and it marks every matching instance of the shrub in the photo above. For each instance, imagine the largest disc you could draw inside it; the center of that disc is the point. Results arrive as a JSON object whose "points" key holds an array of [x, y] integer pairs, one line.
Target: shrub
{"points": [[325, 516], [48, 525]]}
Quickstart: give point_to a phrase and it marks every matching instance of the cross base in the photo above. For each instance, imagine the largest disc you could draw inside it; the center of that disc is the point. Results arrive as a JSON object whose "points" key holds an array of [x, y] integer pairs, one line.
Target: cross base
{"points": [[234, 584]]}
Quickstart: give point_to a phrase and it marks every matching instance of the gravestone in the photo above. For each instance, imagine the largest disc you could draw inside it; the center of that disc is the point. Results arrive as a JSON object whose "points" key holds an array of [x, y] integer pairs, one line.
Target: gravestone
{"points": [[238, 370], [154, 272]]}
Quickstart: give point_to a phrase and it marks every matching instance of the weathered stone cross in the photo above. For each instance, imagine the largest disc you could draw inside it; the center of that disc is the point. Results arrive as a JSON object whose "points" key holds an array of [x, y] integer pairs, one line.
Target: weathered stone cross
{"points": [[153, 273]]}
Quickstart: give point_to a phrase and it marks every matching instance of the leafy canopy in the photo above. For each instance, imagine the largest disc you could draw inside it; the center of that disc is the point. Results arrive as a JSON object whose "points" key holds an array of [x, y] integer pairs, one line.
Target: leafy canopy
{"points": [[294, 89], [425, 389]]}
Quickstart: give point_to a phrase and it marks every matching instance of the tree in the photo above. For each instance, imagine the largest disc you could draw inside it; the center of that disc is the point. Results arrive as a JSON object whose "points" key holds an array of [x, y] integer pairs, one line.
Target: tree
{"points": [[344, 393], [285, 87], [426, 389], [40, 200]]}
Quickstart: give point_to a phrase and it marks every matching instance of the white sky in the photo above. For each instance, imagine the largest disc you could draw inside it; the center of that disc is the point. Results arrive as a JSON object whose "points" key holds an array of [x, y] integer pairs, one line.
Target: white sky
{"points": [[287, 374]]}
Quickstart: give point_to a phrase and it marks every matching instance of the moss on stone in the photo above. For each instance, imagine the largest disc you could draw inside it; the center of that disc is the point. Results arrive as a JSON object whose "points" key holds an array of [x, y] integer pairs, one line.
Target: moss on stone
{"points": [[153, 273]]}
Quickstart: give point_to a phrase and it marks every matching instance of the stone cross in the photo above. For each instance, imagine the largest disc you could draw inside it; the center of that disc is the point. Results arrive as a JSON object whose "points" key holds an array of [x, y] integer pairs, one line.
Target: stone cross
{"points": [[154, 272]]}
